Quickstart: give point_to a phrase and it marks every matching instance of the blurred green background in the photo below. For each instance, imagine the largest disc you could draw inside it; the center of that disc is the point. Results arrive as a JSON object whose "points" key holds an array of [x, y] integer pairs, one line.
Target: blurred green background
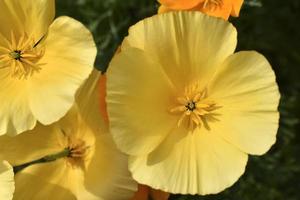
{"points": [[268, 26]]}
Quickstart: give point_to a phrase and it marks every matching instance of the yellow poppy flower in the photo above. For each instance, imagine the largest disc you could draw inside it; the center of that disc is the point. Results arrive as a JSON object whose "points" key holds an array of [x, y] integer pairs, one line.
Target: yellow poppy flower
{"points": [[7, 185], [42, 63], [88, 165], [185, 107], [217, 8]]}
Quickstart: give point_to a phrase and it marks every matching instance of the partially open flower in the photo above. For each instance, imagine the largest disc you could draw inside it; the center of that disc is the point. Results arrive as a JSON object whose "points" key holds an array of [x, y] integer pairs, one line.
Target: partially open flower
{"points": [[185, 107], [218, 8], [7, 185], [74, 158], [42, 63]]}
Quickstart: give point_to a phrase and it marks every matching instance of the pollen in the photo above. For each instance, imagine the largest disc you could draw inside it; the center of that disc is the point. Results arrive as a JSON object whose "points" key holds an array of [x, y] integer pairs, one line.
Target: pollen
{"points": [[21, 55], [194, 107]]}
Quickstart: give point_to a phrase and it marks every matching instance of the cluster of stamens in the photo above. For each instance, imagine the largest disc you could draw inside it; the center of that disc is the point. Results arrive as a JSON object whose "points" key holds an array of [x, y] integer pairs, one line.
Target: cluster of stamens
{"points": [[194, 107], [21, 55], [212, 4]]}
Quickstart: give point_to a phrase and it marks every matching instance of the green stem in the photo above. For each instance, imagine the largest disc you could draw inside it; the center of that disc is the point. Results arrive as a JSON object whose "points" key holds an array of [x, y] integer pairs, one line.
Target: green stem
{"points": [[50, 158]]}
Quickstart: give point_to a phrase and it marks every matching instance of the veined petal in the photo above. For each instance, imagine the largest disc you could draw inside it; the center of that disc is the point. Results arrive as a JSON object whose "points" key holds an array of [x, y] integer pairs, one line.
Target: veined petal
{"points": [[31, 145], [52, 90], [30, 16], [197, 163], [107, 175], [15, 116], [47, 180], [187, 52], [7, 185], [138, 104], [246, 88]]}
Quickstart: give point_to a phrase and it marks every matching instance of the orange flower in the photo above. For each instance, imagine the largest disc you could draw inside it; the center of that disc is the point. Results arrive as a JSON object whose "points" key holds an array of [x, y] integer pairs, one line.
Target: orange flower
{"points": [[144, 193], [217, 8]]}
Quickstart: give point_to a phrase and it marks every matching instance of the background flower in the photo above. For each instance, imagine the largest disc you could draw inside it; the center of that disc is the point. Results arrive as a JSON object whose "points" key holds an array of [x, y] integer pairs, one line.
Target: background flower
{"points": [[75, 158], [217, 8], [42, 64]]}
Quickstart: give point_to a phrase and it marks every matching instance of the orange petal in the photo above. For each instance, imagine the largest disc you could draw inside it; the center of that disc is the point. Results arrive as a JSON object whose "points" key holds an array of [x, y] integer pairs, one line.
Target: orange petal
{"points": [[180, 4], [102, 95], [236, 7], [159, 195], [142, 193]]}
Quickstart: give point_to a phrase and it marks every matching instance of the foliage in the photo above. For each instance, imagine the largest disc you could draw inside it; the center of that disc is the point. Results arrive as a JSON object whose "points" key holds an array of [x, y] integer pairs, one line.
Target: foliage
{"points": [[270, 27]]}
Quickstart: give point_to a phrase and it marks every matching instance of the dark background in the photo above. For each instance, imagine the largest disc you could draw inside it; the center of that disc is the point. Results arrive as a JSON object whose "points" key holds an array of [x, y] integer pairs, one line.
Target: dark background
{"points": [[269, 26]]}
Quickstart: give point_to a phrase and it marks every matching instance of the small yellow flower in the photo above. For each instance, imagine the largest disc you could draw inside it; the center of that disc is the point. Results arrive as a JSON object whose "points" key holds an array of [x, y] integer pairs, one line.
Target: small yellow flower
{"points": [[185, 107], [42, 63], [217, 8], [7, 185], [87, 167]]}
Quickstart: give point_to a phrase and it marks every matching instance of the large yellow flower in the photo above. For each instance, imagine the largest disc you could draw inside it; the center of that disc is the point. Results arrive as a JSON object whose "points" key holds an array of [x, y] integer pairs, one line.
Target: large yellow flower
{"points": [[89, 167], [7, 185], [41, 64], [185, 107], [217, 8]]}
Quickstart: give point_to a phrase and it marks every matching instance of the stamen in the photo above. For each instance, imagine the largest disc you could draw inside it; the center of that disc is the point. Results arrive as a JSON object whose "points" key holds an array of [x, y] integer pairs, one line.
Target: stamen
{"points": [[194, 108], [22, 55], [212, 4]]}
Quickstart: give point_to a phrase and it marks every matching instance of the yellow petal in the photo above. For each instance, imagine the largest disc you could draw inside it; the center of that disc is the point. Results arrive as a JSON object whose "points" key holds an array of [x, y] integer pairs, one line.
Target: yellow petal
{"points": [[7, 185], [15, 115], [188, 45], [67, 63], [138, 95], [197, 163], [246, 88], [30, 16], [31, 145], [107, 175], [88, 102], [47, 180]]}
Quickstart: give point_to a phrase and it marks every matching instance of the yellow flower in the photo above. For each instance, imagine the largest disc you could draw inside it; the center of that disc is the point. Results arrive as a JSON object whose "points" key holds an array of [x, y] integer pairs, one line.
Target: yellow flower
{"points": [[7, 185], [42, 63], [185, 107], [88, 165], [217, 8]]}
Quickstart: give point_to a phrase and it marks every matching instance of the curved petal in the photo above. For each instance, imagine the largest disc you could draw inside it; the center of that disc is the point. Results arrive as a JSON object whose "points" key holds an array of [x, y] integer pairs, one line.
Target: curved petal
{"points": [[223, 11], [31, 145], [30, 16], [236, 7], [52, 91], [246, 88], [87, 101], [7, 184], [138, 99], [179, 4], [15, 116], [198, 163], [107, 175], [47, 180], [188, 45]]}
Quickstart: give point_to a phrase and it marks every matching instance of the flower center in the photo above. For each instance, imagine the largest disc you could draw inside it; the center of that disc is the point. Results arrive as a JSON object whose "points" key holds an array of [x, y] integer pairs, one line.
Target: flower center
{"points": [[21, 55], [212, 4], [194, 108], [78, 151]]}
